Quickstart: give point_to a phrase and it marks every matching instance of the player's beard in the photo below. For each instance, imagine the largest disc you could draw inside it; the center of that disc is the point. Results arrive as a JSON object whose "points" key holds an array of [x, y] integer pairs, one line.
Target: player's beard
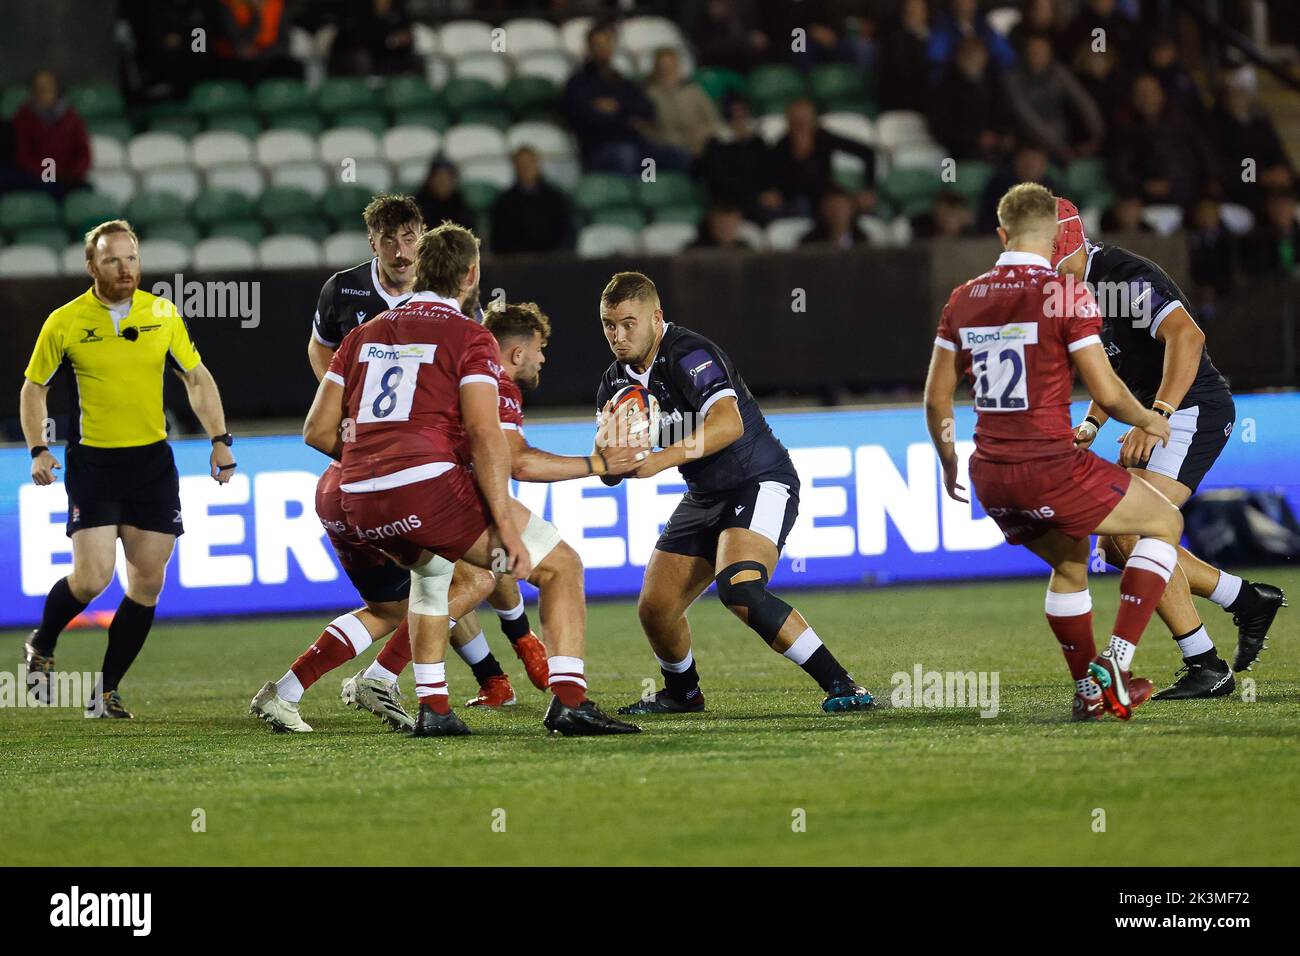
{"points": [[470, 305]]}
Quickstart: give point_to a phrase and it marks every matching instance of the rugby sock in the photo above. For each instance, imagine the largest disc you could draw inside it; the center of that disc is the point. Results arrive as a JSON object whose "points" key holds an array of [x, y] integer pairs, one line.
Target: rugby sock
{"points": [[1141, 586], [126, 635], [1196, 645], [1069, 615], [431, 686], [60, 608], [566, 680], [815, 658], [1227, 590], [514, 622], [343, 639], [681, 680], [393, 656], [479, 657]]}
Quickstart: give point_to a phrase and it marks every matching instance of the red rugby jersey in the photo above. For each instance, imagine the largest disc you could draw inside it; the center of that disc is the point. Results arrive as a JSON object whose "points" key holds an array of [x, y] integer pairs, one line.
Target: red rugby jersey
{"points": [[1014, 328], [511, 404]]}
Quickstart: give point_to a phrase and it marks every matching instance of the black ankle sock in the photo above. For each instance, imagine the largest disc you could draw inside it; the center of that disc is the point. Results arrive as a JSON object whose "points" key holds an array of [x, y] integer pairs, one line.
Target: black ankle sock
{"points": [[825, 669], [487, 667], [683, 686], [126, 635], [1208, 657], [1245, 599], [60, 608], [519, 627]]}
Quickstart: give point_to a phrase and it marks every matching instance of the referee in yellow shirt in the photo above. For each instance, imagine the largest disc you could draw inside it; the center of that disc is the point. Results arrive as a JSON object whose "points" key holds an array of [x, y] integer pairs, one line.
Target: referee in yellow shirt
{"points": [[121, 477]]}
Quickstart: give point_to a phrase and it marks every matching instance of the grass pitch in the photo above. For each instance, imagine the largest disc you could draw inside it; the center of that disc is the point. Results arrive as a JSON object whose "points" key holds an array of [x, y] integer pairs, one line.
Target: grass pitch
{"points": [[1195, 783]]}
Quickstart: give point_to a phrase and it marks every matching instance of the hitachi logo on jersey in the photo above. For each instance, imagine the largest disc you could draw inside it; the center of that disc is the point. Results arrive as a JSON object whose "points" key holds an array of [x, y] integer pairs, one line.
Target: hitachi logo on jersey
{"points": [[1024, 332], [355, 291], [392, 353]]}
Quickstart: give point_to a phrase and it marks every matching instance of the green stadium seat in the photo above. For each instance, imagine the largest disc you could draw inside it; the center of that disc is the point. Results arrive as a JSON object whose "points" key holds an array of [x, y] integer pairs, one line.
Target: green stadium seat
{"points": [[309, 123], [469, 92], [220, 96], [345, 94], [598, 190], [84, 209], [283, 96], [1086, 183], [719, 81], [479, 195], [154, 207], [668, 189], [363, 119], [911, 191], [185, 126], [250, 230], [690, 213], [774, 86], [430, 117], [496, 116], [175, 230], [839, 86], [117, 127], [314, 227], [627, 216], [973, 177], [409, 93], [23, 210], [51, 237], [852, 180], [527, 94], [285, 202], [96, 100], [215, 205], [246, 123], [11, 99], [345, 203]]}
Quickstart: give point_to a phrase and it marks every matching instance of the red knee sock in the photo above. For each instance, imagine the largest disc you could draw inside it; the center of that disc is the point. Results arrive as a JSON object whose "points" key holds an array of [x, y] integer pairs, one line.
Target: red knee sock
{"points": [[567, 681], [1070, 618], [396, 652], [1146, 573], [332, 649]]}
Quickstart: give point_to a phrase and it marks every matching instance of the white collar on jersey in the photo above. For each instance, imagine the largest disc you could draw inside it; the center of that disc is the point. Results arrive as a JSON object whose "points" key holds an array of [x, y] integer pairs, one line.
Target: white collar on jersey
{"points": [[1092, 248], [392, 301], [427, 296], [1010, 258]]}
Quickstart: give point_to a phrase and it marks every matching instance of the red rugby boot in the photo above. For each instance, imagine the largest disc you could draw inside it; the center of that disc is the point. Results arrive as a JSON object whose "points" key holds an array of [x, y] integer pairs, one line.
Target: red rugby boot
{"points": [[532, 652], [495, 692], [1120, 690]]}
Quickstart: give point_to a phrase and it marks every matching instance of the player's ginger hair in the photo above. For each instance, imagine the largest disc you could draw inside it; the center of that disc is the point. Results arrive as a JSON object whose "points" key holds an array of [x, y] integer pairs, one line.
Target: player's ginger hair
{"points": [[630, 285], [442, 257], [107, 229], [1028, 209], [517, 320]]}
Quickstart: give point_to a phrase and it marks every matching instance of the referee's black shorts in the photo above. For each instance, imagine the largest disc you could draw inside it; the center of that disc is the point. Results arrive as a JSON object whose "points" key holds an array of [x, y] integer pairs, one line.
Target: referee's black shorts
{"points": [[137, 486]]}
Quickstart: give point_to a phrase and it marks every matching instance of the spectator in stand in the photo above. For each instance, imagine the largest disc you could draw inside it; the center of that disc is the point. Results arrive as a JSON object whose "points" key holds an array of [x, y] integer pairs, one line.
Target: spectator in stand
{"points": [[724, 33], [1273, 248], [1181, 91], [837, 224], [949, 218], [1160, 156], [821, 22], [904, 73], [968, 115], [51, 147], [374, 37], [532, 215], [162, 31], [1214, 255], [1243, 131], [801, 162], [253, 40], [720, 229], [1028, 164], [1118, 34], [963, 19], [1104, 79], [611, 116], [686, 116], [440, 197], [1124, 215], [736, 165], [1047, 101], [1037, 16]]}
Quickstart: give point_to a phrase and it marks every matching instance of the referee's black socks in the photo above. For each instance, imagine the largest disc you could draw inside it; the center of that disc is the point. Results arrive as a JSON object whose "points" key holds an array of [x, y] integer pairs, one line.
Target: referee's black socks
{"points": [[126, 635], [61, 606]]}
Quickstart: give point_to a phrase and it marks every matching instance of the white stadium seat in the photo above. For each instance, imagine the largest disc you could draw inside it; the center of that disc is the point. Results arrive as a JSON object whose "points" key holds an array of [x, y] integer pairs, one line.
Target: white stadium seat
{"points": [[1004, 19], [752, 235], [547, 138], [771, 127], [847, 162], [562, 172], [603, 239], [529, 34], [248, 180], [106, 152], [345, 249], [901, 227], [555, 66], [876, 230], [783, 234], [1164, 219], [473, 139], [119, 185], [402, 143], [918, 157], [309, 176], [375, 174], [492, 67], [347, 142], [289, 252], [72, 262], [459, 38], [573, 36], [437, 70], [902, 128], [219, 147], [667, 238], [496, 170], [163, 256], [853, 126], [23, 261], [648, 33], [277, 146], [149, 150], [1238, 220], [223, 252], [411, 175], [425, 39], [180, 181]]}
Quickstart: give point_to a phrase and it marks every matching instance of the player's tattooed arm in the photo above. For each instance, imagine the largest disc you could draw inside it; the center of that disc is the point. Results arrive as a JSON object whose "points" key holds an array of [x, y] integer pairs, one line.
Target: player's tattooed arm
{"points": [[722, 426], [940, 382]]}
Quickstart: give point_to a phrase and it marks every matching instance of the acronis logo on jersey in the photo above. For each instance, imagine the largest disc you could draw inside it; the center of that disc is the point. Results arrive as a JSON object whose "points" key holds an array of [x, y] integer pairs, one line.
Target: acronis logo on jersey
{"points": [[702, 368], [1026, 333]]}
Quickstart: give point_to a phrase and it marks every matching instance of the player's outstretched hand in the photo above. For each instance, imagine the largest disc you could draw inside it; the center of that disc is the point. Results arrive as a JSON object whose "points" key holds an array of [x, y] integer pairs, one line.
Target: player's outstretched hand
{"points": [[221, 464], [43, 467], [950, 482], [518, 563], [621, 460], [1084, 435], [1136, 446]]}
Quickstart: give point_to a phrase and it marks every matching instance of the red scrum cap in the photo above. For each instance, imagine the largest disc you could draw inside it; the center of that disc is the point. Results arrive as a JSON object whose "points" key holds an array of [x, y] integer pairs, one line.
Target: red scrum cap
{"points": [[1069, 232]]}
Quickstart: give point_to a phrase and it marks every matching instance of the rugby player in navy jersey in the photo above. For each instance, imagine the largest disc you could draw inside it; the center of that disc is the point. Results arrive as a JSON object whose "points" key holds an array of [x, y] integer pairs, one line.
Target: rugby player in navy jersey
{"points": [[742, 499]]}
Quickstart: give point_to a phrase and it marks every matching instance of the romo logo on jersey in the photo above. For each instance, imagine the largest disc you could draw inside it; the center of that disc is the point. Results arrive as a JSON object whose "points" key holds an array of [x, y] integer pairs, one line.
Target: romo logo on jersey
{"points": [[1023, 333]]}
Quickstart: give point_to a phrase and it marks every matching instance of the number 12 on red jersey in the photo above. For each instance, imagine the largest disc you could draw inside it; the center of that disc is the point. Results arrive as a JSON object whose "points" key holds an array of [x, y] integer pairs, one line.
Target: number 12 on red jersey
{"points": [[998, 364]]}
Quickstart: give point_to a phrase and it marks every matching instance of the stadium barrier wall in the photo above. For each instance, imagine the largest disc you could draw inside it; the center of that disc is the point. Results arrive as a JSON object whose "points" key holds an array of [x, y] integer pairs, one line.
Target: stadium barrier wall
{"points": [[872, 513]]}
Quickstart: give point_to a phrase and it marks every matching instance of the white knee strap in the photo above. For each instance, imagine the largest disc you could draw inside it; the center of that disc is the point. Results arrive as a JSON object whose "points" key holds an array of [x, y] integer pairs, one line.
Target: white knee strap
{"points": [[430, 587], [540, 538]]}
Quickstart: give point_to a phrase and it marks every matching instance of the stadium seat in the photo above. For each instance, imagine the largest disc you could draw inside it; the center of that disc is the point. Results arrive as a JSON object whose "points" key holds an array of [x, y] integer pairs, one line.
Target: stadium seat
{"points": [[972, 178], [877, 231], [164, 256], [1086, 182], [345, 94], [275, 96], [752, 235], [848, 171], [85, 209], [147, 208], [114, 127], [525, 35], [425, 39], [718, 81], [376, 175], [183, 125], [1238, 220], [220, 96], [498, 117], [408, 93], [901, 227], [641, 34], [245, 124], [411, 175], [362, 119], [344, 203], [562, 171], [498, 171], [437, 70], [106, 152], [1164, 219], [182, 181], [309, 123], [53, 238], [402, 143], [220, 148], [459, 38], [14, 97], [555, 67], [479, 194], [23, 210], [784, 234], [629, 217], [773, 86], [688, 213], [119, 184], [667, 189], [464, 142], [911, 191], [95, 100], [215, 205], [150, 150], [311, 177], [772, 127], [343, 143], [597, 190], [315, 228], [463, 93], [839, 86], [242, 178], [285, 202], [853, 126], [667, 238], [344, 249], [598, 241], [1004, 19], [917, 156], [289, 252], [72, 261], [249, 230], [19, 262], [902, 128], [434, 119], [491, 68], [181, 231], [284, 146], [547, 138], [223, 253], [573, 36], [529, 94]]}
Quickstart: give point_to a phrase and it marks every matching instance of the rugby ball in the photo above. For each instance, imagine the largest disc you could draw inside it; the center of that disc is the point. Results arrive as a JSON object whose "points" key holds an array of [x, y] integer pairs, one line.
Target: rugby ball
{"points": [[636, 413]]}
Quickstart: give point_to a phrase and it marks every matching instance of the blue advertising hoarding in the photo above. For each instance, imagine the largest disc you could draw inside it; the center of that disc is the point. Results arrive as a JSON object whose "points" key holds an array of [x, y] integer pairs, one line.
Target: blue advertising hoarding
{"points": [[872, 511]]}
